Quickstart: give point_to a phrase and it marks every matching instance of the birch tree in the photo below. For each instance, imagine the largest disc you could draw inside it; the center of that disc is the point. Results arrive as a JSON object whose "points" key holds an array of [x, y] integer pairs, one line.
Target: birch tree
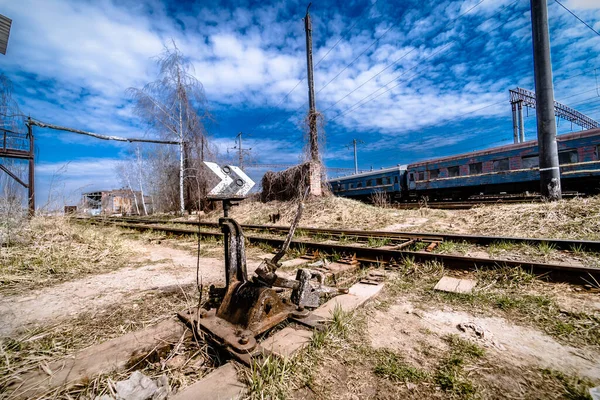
{"points": [[174, 106]]}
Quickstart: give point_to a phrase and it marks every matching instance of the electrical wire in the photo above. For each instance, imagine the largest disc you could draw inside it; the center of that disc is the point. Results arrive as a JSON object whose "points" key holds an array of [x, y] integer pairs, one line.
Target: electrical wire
{"points": [[398, 59], [580, 20], [430, 56], [362, 102]]}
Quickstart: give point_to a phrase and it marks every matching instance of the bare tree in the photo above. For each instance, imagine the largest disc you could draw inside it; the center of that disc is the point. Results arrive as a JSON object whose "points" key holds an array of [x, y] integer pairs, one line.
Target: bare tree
{"points": [[174, 106], [134, 173]]}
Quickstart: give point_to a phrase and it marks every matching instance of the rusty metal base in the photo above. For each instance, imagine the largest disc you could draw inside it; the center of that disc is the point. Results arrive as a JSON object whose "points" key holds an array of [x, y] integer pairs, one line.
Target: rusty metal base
{"points": [[241, 344]]}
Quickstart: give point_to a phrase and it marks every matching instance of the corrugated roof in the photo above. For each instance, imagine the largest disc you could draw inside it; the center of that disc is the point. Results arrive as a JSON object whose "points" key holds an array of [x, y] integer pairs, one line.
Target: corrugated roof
{"points": [[5, 24]]}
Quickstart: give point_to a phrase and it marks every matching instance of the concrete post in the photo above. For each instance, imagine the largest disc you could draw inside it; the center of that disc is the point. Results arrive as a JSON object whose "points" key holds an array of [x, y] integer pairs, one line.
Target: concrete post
{"points": [[544, 93]]}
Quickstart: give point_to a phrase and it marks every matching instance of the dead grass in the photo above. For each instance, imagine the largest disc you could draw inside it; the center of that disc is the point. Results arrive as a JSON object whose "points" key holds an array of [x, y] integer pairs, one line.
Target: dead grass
{"points": [[53, 250], [574, 218], [183, 365]]}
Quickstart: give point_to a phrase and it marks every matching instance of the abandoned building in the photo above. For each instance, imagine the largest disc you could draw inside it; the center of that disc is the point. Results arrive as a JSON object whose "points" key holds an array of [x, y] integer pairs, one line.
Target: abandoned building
{"points": [[110, 202]]}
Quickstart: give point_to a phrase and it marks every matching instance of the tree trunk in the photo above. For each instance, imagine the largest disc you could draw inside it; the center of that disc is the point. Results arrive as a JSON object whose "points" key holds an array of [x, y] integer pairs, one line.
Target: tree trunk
{"points": [[181, 167]]}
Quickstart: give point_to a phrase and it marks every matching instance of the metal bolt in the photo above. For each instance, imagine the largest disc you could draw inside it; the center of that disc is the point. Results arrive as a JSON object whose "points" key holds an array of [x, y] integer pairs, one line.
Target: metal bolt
{"points": [[300, 308], [244, 340]]}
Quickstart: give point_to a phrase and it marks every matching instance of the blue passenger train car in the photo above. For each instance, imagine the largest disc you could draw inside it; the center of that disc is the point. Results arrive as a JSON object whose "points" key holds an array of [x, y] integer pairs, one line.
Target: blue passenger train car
{"points": [[363, 185], [512, 168]]}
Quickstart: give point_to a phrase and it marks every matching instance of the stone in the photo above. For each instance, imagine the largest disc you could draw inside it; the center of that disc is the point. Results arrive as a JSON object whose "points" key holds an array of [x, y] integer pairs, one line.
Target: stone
{"points": [[137, 387], [455, 285]]}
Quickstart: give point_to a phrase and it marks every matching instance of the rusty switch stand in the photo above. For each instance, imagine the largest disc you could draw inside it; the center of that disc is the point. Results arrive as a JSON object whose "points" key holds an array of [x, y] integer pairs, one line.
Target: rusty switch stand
{"points": [[245, 308]]}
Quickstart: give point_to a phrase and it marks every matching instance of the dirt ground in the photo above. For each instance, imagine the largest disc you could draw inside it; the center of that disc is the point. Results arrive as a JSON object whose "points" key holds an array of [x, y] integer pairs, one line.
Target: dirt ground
{"points": [[154, 267], [405, 328]]}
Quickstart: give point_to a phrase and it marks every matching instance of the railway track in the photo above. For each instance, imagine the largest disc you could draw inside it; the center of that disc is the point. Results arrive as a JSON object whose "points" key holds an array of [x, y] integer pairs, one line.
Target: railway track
{"points": [[396, 248], [362, 235]]}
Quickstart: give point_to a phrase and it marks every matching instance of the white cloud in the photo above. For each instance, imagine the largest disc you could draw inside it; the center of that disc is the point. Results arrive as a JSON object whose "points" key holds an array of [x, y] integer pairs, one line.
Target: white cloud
{"points": [[74, 60]]}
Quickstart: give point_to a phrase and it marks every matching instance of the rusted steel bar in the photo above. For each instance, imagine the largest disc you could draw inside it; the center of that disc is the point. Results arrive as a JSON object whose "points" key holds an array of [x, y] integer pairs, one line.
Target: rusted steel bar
{"points": [[16, 178], [559, 244], [557, 272]]}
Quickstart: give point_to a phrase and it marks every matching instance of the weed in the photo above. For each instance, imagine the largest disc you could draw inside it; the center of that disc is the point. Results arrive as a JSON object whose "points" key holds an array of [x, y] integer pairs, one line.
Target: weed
{"points": [[341, 322], [546, 249], [52, 250], [268, 378], [378, 242], [577, 249], [408, 262], [464, 347], [574, 388], [391, 366], [299, 250], [418, 246], [450, 377], [506, 276], [334, 256], [447, 247], [450, 374], [501, 246], [267, 248]]}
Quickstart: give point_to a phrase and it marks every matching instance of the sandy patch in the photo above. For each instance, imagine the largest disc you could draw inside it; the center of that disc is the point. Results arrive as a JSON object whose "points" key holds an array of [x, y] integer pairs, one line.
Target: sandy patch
{"points": [[406, 329]]}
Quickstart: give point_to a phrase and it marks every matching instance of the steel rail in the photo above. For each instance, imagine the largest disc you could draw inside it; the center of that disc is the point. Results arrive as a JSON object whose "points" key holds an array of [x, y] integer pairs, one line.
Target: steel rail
{"points": [[555, 272], [559, 244]]}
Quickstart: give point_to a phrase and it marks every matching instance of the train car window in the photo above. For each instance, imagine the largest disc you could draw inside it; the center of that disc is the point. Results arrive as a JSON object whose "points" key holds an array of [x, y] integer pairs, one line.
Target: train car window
{"points": [[501, 165], [359, 185], [453, 171], [369, 183], [379, 181], [475, 168], [434, 173], [396, 178], [352, 186], [530, 162], [568, 157], [411, 177], [421, 176], [598, 152]]}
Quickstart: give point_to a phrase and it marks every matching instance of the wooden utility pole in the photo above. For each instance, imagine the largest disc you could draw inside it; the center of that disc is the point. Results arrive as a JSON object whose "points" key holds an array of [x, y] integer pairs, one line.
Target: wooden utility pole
{"points": [[312, 113], [544, 93]]}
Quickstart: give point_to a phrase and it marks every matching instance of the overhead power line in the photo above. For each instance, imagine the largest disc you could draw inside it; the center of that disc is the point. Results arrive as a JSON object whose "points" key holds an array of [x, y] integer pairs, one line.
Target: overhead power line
{"points": [[575, 15], [400, 58], [362, 102], [451, 22]]}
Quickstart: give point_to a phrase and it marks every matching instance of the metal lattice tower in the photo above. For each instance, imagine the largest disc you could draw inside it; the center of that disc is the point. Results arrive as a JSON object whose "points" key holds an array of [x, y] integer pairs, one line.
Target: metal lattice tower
{"points": [[520, 97]]}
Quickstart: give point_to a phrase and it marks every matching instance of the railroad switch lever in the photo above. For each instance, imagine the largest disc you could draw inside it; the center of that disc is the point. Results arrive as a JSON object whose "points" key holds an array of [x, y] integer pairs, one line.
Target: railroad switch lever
{"points": [[245, 308]]}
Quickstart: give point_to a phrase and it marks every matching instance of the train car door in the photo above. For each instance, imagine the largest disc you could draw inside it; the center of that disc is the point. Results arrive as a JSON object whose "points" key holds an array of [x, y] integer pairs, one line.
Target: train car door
{"points": [[411, 181]]}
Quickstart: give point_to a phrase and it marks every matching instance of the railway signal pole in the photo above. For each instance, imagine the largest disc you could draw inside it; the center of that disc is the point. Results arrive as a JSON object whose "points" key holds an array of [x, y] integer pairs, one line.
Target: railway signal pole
{"points": [[544, 93]]}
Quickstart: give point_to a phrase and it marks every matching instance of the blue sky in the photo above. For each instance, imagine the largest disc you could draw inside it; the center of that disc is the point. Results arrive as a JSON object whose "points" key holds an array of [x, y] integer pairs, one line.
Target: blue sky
{"points": [[407, 78]]}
